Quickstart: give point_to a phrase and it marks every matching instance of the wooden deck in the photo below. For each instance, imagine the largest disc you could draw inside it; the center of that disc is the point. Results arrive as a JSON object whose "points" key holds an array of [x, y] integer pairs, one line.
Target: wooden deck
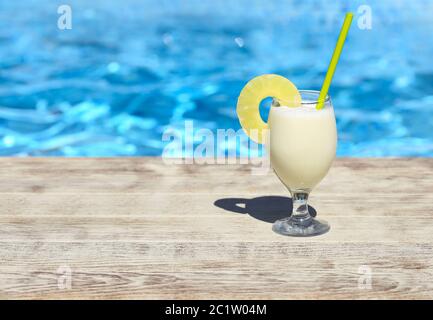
{"points": [[137, 228]]}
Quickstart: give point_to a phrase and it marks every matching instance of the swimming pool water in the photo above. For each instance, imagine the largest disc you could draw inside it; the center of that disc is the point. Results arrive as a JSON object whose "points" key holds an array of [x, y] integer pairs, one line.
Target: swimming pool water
{"points": [[128, 70]]}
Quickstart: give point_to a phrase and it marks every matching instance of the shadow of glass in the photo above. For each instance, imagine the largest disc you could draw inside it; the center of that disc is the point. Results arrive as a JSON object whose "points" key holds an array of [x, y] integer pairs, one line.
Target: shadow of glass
{"points": [[267, 209]]}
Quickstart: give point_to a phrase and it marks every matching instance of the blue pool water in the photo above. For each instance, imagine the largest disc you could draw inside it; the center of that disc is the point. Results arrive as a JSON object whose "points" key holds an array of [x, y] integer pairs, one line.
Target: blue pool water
{"points": [[130, 69]]}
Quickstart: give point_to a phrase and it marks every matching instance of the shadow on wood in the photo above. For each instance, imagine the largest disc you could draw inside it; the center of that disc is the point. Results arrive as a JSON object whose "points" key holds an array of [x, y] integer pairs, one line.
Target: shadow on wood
{"points": [[268, 209]]}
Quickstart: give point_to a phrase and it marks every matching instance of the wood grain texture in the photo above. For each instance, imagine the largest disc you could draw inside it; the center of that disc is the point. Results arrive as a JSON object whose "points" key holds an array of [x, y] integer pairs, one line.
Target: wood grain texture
{"points": [[138, 228]]}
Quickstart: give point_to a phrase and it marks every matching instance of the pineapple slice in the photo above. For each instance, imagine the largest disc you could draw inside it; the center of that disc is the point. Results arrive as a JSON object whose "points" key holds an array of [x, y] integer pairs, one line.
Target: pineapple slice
{"points": [[257, 89]]}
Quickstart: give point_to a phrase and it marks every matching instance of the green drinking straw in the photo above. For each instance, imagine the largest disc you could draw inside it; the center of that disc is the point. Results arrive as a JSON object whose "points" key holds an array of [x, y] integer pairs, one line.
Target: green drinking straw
{"points": [[334, 60]]}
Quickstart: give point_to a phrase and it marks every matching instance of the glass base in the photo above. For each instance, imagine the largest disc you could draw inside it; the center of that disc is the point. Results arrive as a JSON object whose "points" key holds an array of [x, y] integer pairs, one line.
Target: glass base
{"points": [[295, 228]]}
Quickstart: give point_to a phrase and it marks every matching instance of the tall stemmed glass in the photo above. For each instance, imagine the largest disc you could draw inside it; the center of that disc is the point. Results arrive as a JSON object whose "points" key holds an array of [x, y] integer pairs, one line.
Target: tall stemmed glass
{"points": [[302, 146]]}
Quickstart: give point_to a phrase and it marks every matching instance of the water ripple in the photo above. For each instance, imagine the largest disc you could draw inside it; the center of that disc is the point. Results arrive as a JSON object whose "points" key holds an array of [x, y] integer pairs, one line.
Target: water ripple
{"points": [[128, 70]]}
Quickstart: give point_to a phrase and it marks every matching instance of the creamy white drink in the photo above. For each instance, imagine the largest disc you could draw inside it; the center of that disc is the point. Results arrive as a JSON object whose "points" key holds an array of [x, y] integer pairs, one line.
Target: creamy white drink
{"points": [[303, 143]]}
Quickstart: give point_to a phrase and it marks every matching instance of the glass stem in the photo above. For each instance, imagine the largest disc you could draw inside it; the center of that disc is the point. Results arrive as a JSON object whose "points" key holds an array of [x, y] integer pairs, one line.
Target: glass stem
{"points": [[300, 214]]}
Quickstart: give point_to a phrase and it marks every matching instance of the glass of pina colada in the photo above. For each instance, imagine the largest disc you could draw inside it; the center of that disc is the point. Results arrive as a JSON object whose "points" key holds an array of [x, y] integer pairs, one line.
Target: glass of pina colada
{"points": [[300, 135], [302, 146], [301, 139]]}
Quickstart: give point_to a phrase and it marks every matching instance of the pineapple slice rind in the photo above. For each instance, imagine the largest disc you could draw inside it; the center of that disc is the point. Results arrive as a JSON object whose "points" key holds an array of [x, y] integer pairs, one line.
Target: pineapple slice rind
{"points": [[257, 89]]}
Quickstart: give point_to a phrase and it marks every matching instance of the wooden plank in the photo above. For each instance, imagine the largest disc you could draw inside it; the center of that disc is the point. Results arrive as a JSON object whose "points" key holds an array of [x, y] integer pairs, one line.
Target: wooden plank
{"points": [[164, 270], [226, 227], [139, 228], [136, 175], [187, 204]]}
